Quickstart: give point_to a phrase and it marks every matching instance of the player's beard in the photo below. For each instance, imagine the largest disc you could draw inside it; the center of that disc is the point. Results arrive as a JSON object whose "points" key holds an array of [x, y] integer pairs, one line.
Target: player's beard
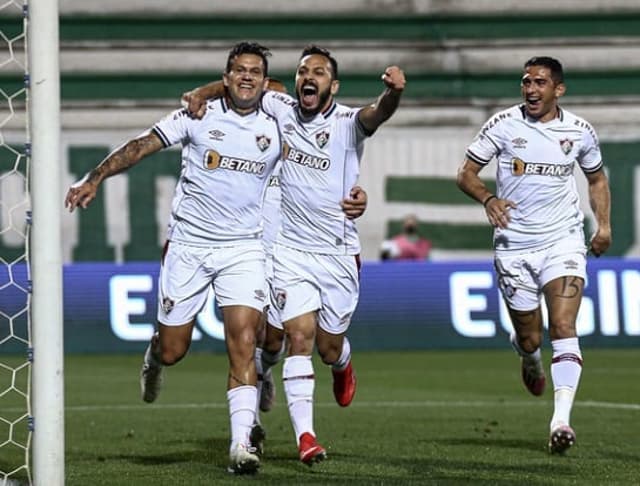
{"points": [[323, 97]]}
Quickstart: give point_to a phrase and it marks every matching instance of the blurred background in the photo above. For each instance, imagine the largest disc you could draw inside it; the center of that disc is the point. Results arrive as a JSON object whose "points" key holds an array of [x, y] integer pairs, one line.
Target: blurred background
{"points": [[124, 65]]}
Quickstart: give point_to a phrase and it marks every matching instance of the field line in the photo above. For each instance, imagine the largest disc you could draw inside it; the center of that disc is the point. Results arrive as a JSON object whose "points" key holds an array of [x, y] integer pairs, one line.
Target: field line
{"points": [[374, 404]]}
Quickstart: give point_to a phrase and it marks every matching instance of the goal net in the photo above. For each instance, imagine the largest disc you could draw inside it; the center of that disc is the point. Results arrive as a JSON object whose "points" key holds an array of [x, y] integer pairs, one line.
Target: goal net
{"points": [[31, 377], [15, 286]]}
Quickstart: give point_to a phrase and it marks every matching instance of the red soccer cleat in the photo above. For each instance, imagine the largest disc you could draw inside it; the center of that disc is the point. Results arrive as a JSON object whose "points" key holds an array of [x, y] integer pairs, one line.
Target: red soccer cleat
{"points": [[344, 385], [310, 451], [533, 376]]}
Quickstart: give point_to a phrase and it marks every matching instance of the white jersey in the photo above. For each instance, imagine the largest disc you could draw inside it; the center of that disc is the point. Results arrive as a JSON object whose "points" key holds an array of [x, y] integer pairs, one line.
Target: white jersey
{"points": [[535, 170], [321, 163], [271, 211], [226, 163]]}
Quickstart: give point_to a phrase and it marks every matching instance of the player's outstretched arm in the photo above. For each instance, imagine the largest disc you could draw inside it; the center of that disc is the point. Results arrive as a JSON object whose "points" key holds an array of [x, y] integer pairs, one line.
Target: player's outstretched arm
{"points": [[376, 114], [355, 205], [84, 191], [469, 182], [600, 201]]}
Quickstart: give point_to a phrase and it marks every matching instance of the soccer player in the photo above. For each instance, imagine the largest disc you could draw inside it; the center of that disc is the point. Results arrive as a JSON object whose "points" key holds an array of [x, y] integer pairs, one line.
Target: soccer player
{"points": [[214, 234], [353, 207], [316, 256], [538, 237]]}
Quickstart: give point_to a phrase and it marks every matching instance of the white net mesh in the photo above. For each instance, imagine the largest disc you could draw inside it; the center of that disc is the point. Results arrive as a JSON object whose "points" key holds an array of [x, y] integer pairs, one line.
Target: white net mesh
{"points": [[15, 283]]}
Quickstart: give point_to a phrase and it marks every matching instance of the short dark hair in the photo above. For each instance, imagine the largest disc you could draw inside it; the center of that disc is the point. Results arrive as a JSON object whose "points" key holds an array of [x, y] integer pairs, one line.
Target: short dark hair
{"points": [[557, 73], [314, 49], [249, 48]]}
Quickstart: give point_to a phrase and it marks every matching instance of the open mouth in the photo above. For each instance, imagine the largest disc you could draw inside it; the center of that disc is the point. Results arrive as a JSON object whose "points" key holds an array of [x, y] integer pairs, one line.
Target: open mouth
{"points": [[246, 86], [534, 103], [309, 94]]}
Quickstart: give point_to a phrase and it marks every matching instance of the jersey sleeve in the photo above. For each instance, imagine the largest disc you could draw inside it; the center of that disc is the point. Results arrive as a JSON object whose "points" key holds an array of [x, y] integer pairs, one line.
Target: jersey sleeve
{"points": [[590, 158], [360, 132], [486, 144], [173, 128], [276, 104], [353, 132]]}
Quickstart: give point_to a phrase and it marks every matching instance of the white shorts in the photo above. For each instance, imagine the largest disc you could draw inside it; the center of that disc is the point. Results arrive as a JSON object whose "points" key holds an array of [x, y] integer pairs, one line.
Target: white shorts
{"points": [[236, 273], [307, 282], [521, 276]]}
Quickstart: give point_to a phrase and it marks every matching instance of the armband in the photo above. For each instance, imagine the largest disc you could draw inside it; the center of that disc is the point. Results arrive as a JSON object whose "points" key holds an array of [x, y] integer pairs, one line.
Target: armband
{"points": [[486, 201]]}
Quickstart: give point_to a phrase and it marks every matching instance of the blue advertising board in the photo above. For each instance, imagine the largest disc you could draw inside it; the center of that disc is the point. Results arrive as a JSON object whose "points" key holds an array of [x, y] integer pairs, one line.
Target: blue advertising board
{"points": [[403, 305]]}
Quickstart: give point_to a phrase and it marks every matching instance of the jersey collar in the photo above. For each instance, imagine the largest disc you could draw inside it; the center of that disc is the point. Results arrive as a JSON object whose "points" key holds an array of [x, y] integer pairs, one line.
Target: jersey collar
{"points": [[317, 118], [224, 104]]}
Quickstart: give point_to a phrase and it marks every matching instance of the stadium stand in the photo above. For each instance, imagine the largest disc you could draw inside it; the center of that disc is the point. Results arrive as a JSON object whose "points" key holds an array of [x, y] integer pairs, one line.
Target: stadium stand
{"points": [[124, 63]]}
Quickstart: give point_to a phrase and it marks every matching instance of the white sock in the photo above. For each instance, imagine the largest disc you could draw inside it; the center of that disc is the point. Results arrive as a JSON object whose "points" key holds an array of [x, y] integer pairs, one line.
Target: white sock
{"points": [[242, 412], [536, 355], [566, 367], [345, 356], [299, 383]]}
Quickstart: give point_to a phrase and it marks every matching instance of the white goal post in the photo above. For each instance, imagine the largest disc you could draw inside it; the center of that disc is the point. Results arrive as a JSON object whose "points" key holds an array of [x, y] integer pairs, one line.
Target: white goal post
{"points": [[45, 247]]}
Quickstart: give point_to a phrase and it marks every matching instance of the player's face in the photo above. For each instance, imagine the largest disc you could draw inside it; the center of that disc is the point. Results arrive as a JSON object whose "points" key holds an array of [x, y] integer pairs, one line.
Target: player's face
{"points": [[540, 93], [315, 85], [245, 81]]}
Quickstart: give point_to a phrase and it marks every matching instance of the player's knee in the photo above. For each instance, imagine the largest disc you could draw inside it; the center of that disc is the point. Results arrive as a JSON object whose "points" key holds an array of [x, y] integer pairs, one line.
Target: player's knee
{"points": [[243, 339], [170, 355], [329, 353], [530, 342], [562, 328], [300, 343]]}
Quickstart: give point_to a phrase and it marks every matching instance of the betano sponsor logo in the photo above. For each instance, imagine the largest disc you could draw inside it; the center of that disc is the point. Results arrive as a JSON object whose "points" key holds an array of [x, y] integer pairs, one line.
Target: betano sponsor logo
{"points": [[213, 160], [519, 167], [292, 154]]}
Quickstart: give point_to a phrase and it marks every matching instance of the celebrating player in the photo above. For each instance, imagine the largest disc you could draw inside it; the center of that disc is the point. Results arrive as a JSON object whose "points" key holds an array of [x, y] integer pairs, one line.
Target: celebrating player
{"points": [[538, 238], [214, 234], [316, 257]]}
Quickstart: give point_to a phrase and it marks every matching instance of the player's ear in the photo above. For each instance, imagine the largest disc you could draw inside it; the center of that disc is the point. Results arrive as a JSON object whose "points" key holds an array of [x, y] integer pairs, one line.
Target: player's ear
{"points": [[560, 90], [265, 84], [335, 86], [225, 80]]}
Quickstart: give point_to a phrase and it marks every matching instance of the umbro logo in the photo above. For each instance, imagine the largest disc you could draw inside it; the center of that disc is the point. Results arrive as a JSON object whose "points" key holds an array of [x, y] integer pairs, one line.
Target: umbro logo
{"points": [[570, 265], [519, 142], [288, 128], [216, 135]]}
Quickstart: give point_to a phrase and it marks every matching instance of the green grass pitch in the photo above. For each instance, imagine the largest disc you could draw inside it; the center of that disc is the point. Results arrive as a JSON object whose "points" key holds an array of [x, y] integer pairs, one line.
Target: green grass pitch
{"points": [[432, 417]]}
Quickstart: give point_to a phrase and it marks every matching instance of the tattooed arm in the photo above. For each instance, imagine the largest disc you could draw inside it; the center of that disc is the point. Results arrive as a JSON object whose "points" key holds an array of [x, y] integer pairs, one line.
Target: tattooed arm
{"points": [[84, 191]]}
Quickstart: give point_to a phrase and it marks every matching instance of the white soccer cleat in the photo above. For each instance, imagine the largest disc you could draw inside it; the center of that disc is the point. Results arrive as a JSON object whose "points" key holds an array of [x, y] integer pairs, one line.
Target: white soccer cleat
{"points": [[561, 439], [150, 378], [243, 459], [268, 392]]}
